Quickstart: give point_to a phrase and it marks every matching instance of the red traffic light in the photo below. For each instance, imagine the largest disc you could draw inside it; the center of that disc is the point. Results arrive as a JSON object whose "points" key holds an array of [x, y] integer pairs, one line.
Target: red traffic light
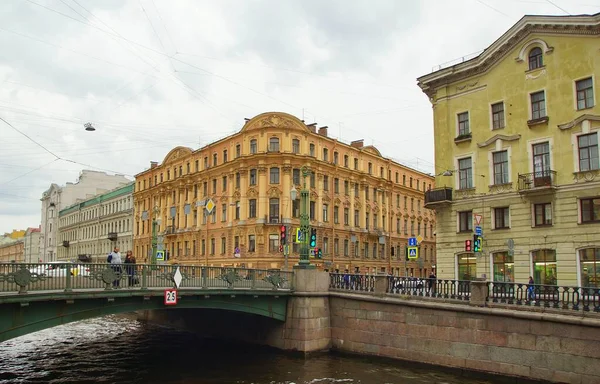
{"points": [[468, 245], [282, 228]]}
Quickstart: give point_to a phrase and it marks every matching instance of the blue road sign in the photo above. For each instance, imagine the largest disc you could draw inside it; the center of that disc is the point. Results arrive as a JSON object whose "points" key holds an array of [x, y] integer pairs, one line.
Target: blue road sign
{"points": [[413, 252], [478, 230], [160, 255], [412, 241]]}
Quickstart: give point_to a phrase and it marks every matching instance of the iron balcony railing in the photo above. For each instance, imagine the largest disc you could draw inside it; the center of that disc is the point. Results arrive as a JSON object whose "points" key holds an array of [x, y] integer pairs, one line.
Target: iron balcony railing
{"points": [[537, 180], [545, 296], [438, 195], [36, 277]]}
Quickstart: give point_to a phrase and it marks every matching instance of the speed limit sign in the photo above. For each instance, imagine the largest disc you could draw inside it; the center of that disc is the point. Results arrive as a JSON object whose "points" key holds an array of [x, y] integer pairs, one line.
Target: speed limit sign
{"points": [[170, 296]]}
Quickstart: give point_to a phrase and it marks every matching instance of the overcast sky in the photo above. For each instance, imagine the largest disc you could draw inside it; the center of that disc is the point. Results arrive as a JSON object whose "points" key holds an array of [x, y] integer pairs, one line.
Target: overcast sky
{"points": [[154, 74]]}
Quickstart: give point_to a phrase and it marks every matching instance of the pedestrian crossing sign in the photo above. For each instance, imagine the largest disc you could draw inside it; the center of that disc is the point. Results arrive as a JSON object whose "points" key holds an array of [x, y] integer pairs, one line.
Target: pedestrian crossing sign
{"points": [[413, 252], [160, 255]]}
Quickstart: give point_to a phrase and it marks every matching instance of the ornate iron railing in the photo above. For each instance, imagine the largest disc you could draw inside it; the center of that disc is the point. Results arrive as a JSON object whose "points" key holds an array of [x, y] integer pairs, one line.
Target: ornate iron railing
{"points": [[352, 282], [545, 296], [23, 277], [537, 180], [440, 288]]}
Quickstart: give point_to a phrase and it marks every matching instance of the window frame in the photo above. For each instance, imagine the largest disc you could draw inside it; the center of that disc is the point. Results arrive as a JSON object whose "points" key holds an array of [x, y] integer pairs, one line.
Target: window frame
{"points": [[542, 111], [590, 165], [546, 208], [463, 127], [585, 99], [501, 120], [502, 217], [463, 217], [504, 170], [535, 60], [592, 217]]}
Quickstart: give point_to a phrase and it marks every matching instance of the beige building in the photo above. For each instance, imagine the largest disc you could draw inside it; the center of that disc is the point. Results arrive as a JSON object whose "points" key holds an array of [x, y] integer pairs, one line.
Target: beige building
{"points": [[11, 250], [364, 206], [90, 229], [516, 142]]}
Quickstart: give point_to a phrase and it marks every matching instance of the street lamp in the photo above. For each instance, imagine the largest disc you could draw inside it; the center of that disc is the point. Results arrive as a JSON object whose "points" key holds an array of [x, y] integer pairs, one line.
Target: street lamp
{"points": [[304, 262], [155, 223]]}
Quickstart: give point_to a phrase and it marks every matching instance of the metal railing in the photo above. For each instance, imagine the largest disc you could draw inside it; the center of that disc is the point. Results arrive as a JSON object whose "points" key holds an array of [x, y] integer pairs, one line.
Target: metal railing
{"points": [[438, 195], [440, 288], [40, 277], [534, 180], [545, 296], [352, 282]]}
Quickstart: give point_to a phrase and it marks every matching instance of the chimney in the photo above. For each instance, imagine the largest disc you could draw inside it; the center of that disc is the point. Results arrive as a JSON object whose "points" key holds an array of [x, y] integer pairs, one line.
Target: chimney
{"points": [[323, 131], [312, 127], [357, 143], [153, 164]]}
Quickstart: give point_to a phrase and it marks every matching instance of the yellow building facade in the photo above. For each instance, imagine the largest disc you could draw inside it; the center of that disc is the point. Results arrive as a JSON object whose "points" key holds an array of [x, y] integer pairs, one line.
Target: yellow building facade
{"points": [[516, 147], [224, 204]]}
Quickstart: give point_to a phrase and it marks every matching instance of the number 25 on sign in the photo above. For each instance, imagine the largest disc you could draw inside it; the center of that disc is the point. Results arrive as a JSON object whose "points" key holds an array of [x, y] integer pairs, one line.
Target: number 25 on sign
{"points": [[170, 297]]}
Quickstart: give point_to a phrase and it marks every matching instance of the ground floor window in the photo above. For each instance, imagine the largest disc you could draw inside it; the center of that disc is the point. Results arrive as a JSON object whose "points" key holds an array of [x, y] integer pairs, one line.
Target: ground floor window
{"points": [[503, 267], [544, 266], [467, 266], [589, 261]]}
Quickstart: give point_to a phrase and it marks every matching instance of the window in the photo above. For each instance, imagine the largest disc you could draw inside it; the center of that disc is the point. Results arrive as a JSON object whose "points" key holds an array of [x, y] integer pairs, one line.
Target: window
{"points": [[225, 156], [544, 266], [223, 245], [197, 166], [370, 168], [335, 158], [542, 214], [346, 216], [296, 208], [224, 182], [295, 146], [311, 150], [223, 212], [336, 185], [253, 146], [325, 212], [356, 164], [273, 210], [501, 218], [251, 243], [273, 243], [252, 208], [274, 175], [503, 267], [312, 210], [325, 183], [356, 218], [535, 58], [538, 105], [465, 221], [237, 210], [585, 93], [238, 150], [465, 173], [296, 176], [212, 246], [214, 187], [590, 210], [325, 154], [237, 179], [500, 160], [313, 181], [346, 188], [463, 124], [467, 266], [498, 115], [336, 214], [215, 161], [541, 164], [252, 177], [588, 152], [274, 144], [589, 261], [346, 161]]}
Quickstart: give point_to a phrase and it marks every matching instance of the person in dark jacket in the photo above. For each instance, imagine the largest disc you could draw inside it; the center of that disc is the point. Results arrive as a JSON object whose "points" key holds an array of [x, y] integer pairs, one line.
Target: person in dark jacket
{"points": [[130, 268]]}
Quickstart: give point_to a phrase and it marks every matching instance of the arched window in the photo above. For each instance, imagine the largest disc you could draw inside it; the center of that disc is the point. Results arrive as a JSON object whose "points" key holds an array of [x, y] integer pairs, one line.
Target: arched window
{"points": [[589, 267], [536, 58]]}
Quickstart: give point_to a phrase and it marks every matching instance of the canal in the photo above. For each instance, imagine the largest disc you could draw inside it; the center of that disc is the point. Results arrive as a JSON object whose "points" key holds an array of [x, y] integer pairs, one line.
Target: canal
{"points": [[118, 350]]}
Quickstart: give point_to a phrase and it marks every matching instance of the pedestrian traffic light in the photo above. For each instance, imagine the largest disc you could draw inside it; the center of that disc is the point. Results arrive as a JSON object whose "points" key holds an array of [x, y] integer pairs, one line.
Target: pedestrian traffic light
{"points": [[476, 243], [468, 246], [313, 237], [319, 253], [283, 235]]}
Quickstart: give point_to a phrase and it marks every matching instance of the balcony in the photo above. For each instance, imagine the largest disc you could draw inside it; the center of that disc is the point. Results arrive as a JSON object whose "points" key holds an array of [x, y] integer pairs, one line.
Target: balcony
{"points": [[272, 219], [112, 236], [438, 197], [170, 230], [543, 181], [65, 243]]}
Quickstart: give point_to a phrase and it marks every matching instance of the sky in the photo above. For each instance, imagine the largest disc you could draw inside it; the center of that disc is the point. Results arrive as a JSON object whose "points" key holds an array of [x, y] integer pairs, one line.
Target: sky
{"points": [[154, 74]]}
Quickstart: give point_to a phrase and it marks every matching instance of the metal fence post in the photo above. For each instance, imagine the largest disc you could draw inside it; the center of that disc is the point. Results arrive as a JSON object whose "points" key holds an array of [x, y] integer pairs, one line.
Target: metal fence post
{"points": [[68, 280], [144, 285]]}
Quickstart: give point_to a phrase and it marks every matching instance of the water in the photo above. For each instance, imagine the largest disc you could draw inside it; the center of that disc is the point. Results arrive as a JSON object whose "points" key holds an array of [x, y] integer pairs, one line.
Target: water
{"points": [[118, 350]]}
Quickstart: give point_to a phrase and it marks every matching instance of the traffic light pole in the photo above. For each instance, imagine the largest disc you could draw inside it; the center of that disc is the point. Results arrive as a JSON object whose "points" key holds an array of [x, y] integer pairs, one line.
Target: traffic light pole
{"points": [[304, 262]]}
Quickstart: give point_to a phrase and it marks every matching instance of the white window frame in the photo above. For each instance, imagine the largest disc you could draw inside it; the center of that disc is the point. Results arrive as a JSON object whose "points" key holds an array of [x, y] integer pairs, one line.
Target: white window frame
{"points": [[491, 116], [532, 212], [530, 111], [585, 130], [594, 92], [531, 143], [499, 148], [457, 122], [457, 173], [493, 216]]}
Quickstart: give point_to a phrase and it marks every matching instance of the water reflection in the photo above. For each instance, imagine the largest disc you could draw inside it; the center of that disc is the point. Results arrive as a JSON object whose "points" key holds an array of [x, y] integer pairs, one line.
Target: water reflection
{"points": [[117, 350]]}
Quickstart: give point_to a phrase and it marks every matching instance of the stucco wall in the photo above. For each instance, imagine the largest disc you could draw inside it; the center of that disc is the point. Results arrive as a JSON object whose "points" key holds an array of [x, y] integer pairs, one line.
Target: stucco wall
{"points": [[516, 343]]}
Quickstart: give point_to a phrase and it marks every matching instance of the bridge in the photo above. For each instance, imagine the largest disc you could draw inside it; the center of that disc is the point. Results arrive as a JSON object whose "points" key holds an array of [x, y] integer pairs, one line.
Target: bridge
{"points": [[39, 296], [548, 332]]}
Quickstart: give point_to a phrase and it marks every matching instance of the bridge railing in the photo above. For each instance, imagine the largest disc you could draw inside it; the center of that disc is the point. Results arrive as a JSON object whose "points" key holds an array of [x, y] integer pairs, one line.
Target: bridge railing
{"points": [[352, 282], [545, 296], [24, 277]]}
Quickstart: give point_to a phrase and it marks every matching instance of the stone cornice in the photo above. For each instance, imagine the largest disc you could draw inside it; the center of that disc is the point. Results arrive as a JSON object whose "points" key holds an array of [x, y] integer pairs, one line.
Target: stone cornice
{"points": [[498, 137], [577, 121]]}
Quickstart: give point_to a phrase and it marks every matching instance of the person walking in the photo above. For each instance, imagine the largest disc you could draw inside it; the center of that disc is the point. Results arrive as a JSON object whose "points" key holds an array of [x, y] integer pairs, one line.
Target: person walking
{"points": [[130, 268], [115, 262], [531, 290], [432, 282]]}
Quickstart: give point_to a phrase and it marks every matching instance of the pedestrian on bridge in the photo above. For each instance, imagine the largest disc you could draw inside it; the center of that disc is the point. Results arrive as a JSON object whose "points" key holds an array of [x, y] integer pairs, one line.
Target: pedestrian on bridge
{"points": [[115, 261], [130, 268]]}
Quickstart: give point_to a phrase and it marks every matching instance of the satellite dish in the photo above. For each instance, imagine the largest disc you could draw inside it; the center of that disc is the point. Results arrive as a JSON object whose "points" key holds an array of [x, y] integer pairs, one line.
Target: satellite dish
{"points": [[89, 127]]}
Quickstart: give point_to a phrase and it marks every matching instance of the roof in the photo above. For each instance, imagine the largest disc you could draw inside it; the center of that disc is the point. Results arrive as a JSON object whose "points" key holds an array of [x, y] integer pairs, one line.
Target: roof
{"points": [[529, 24]]}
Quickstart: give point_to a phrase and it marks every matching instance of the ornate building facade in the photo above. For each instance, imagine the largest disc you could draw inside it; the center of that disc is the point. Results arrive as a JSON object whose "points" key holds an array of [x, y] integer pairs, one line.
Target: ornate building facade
{"points": [[90, 229], [224, 204], [516, 133]]}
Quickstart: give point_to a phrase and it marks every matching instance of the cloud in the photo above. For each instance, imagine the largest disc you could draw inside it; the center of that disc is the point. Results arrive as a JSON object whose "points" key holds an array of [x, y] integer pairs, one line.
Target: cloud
{"points": [[151, 75]]}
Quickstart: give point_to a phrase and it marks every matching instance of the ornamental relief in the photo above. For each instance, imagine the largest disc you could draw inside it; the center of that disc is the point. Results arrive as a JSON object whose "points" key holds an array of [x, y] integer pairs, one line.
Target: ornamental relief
{"points": [[586, 176], [384, 210], [274, 192], [287, 169], [252, 193], [275, 121], [357, 205], [337, 201], [346, 204], [237, 195], [313, 195], [500, 188], [326, 198]]}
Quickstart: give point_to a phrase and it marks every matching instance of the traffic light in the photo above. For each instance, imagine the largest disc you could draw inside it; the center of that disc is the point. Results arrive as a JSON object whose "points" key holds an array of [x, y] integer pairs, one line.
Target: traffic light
{"points": [[476, 243], [468, 246], [319, 253], [313, 237], [283, 235]]}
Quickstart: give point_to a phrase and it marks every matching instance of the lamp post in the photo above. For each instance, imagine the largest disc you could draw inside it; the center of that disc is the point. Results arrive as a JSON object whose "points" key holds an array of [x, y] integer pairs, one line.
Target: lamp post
{"points": [[304, 262], [155, 222]]}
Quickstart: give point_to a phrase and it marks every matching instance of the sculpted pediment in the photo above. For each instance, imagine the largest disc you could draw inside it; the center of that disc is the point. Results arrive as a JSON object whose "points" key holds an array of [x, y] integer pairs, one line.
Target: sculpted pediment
{"points": [[177, 153]]}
